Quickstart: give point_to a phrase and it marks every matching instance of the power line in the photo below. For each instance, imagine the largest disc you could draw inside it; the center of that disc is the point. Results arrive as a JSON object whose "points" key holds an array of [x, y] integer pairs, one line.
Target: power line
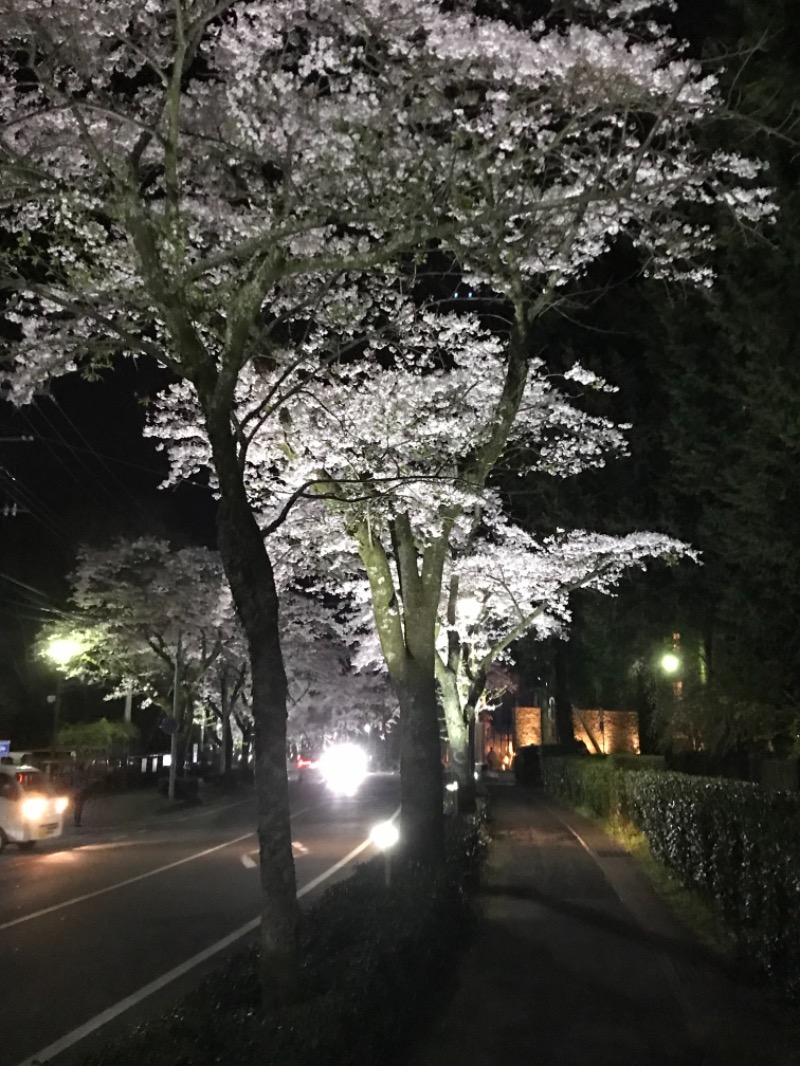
{"points": [[93, 451]]}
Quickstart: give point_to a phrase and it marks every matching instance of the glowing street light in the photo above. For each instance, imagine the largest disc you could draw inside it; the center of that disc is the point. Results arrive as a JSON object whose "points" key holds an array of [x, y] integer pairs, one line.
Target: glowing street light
{"points": [[61, 651], [385, 835], [670, 663]]}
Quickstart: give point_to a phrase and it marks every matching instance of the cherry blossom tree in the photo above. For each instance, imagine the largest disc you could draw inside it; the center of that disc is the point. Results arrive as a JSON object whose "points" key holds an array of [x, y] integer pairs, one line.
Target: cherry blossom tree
{"points": [[151, 618], [328, 698], [416, 423], [511, 585], [189, 180]]}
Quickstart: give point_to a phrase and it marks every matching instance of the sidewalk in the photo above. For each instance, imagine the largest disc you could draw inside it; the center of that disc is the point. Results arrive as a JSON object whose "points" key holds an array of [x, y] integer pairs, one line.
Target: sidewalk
{"points": [[578, 963]]}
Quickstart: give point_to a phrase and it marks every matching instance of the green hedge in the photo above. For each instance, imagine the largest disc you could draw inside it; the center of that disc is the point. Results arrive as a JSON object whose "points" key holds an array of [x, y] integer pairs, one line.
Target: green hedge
{"points": [[376, 962], [731, 841]]}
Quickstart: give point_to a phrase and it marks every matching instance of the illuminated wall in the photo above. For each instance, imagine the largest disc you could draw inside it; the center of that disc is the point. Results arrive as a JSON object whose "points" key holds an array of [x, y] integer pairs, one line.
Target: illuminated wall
{"points": [[609, 732]]}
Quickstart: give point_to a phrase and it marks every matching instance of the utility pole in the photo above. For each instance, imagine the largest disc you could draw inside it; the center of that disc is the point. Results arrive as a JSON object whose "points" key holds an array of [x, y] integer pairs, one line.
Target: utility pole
{"points": [[173, 740]]}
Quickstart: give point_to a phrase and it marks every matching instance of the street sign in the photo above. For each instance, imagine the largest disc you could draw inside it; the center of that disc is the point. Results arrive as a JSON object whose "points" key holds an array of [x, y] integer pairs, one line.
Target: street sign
{"points": [[5, 747]]}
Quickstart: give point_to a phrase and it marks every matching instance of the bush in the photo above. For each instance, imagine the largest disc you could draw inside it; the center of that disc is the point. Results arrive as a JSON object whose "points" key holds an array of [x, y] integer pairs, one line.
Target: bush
{"points": [[376, 962], [731, 841]]}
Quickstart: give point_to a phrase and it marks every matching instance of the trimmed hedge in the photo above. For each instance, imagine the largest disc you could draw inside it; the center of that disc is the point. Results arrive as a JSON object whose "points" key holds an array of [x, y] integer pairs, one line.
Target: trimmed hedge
{"points": [[731, 841], [376, 962]]}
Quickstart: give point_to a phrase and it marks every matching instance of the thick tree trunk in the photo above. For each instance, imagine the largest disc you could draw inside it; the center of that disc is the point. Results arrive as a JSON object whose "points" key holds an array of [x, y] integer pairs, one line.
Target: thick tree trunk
{"points": [[422, 814], [461, 753], [408, 644], [249, 572]]}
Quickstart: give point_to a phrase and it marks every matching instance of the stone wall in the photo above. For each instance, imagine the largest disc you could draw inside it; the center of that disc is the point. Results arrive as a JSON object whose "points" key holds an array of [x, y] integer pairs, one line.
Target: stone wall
{"points": [[527, 726], [609, 732], [612, 732]]}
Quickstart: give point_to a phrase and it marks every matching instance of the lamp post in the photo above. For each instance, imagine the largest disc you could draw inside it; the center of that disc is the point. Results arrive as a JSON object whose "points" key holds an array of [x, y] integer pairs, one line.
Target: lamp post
{"points": [[385, 835], [61, 652]]}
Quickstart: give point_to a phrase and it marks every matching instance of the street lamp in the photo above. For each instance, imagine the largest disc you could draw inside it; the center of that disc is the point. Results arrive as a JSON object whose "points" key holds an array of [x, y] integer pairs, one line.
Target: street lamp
{"points": [[670, 663], [61, 651], [385, 835]]}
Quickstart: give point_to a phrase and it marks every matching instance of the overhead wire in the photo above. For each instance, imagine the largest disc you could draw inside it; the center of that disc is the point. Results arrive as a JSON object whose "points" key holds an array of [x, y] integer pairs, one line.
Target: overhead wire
{"points": [[101, 459], [30, 504], [71, 467]]}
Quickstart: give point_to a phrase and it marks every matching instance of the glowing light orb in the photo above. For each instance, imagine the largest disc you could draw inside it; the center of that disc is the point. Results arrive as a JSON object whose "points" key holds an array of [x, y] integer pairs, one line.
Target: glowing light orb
{"points": [[670, 663], [344, 768], [384, 835]]}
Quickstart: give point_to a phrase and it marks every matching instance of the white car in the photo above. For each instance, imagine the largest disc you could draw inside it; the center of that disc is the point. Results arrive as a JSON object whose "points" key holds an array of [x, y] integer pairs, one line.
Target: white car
{"points": [[30, 810]]}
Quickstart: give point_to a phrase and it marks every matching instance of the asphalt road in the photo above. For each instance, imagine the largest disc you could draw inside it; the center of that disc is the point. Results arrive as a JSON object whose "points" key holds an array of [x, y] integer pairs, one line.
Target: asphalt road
{"points": [[87, 929]]}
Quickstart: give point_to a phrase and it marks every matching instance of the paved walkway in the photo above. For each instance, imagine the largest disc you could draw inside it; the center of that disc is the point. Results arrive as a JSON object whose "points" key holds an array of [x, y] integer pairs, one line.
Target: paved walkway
{"points": [[578, 963]]}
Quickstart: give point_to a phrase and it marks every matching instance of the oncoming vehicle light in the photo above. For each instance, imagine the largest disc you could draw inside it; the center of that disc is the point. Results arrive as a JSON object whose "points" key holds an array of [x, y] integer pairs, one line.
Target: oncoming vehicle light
{"points": [[33, 808], [343, 768]]}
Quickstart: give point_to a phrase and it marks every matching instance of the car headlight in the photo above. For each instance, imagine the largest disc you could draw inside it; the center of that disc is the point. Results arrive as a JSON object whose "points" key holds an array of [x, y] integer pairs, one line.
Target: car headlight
{"points": [[61, 804], [33, 808], [344, 767]]}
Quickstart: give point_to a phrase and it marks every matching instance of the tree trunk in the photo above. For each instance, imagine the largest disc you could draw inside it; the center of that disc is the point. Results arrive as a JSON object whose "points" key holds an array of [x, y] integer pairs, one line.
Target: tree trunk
{"points": [[408, 644], [227, 747], [564, 729], [422, 815], [461, 750], [249, 572]]}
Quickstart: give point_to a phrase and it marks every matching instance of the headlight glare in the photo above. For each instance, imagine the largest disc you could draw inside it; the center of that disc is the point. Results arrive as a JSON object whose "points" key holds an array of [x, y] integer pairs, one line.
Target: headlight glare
{"points": [[33, 808], [344, 767]]}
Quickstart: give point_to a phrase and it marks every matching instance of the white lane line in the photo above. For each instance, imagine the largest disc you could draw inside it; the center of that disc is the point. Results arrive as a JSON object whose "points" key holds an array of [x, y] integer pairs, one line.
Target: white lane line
{"points": [[130, 880], [109, 845], [249, 861], [121, 884], [299, 848], [107, 1016]]}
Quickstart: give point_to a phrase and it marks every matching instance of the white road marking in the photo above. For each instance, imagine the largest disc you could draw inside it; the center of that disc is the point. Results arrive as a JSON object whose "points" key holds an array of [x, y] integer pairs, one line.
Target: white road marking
{"points": [[110, 845], [130, 880], [122, 884], [250, 858], [106, 1016]]}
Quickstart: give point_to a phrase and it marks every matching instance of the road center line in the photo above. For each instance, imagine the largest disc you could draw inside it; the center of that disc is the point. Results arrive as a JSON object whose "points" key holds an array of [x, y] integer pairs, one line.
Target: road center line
{"points": [[109, 1015], [122, 884]]}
